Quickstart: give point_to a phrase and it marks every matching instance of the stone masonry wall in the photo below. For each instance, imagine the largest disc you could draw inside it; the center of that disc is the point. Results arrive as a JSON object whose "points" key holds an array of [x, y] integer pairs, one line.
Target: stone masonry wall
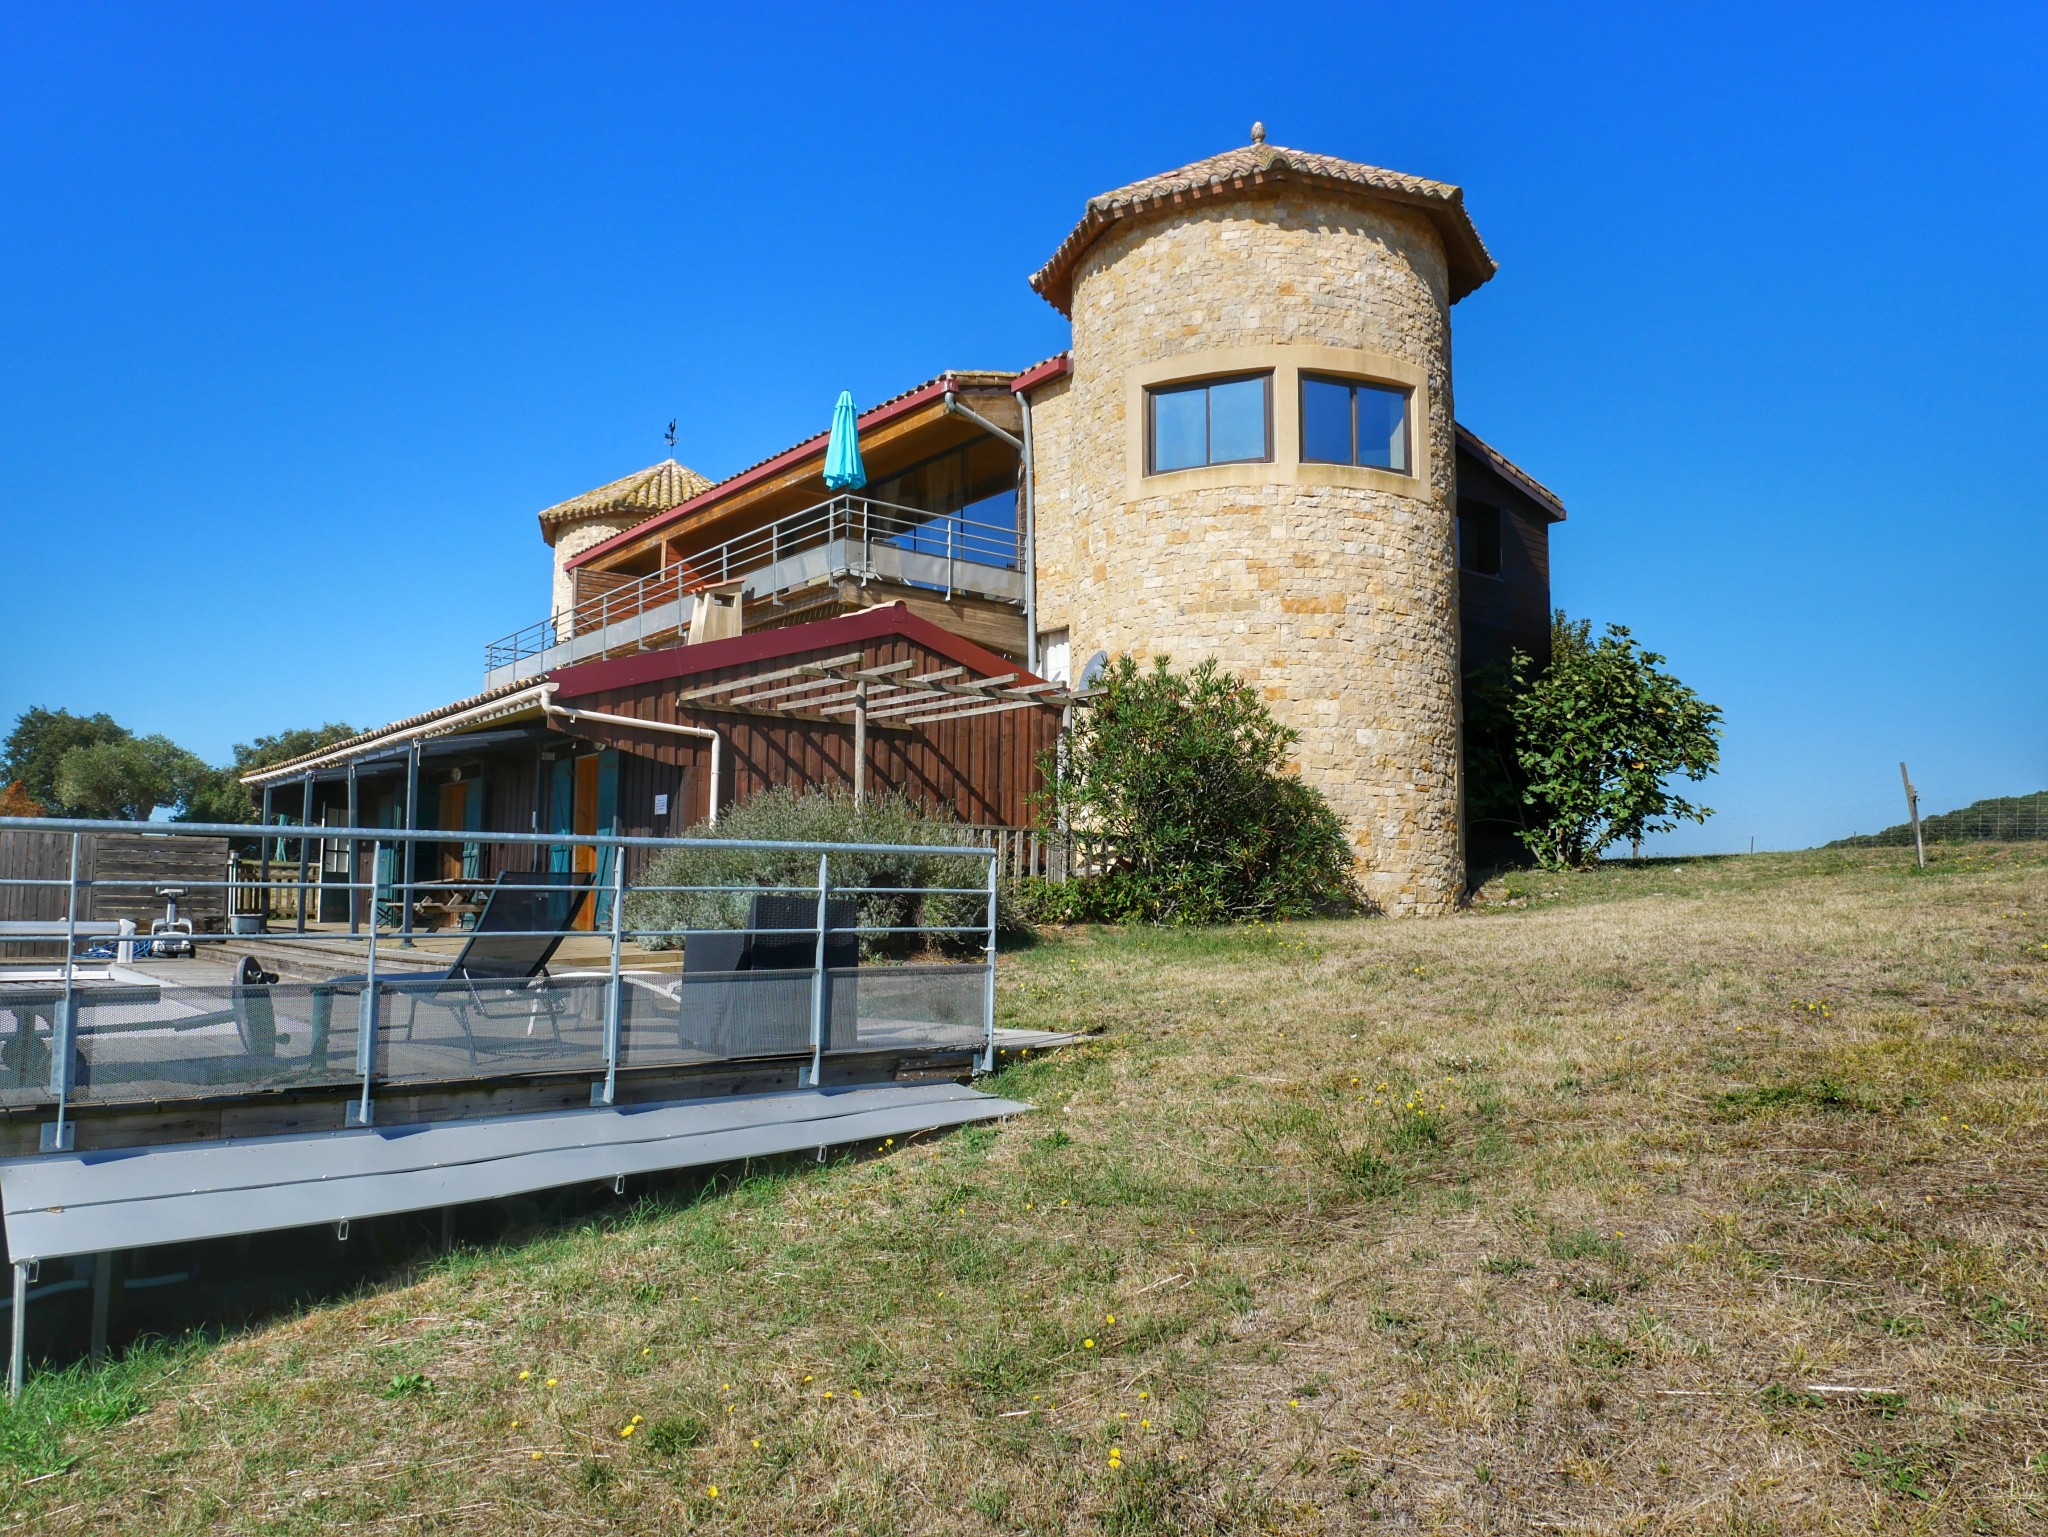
{"points": [[573, 541], [1340, 603]]}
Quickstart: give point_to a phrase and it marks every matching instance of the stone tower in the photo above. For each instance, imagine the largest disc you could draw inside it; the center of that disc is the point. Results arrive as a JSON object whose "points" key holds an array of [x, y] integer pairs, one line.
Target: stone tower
{"points": [[573, 526], [1319, 563]]}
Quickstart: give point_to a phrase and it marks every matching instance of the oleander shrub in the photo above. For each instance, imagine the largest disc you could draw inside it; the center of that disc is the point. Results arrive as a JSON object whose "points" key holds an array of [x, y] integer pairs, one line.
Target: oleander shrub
{"points": [[1186, 779]]}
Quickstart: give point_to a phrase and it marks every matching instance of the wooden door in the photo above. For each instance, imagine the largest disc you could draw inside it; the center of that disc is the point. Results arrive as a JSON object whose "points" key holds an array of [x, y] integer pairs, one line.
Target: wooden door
{"points": [[454, 813], [583, 823]]}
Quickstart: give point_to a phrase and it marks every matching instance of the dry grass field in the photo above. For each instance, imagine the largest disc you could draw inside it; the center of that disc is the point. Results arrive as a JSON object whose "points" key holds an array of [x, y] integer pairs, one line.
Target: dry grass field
{"points": [[1698, 1196]]}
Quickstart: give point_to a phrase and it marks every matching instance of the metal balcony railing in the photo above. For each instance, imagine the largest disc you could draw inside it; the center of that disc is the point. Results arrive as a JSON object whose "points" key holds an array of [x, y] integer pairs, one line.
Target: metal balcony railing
{"points": [[116, 1020], [843, 536]]}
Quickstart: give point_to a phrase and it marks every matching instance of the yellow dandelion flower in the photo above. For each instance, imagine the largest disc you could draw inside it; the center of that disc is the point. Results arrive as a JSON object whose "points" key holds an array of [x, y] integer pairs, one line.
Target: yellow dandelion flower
{"points": [[551, 1382], [514, 1425], [637, 1418], [807, 1376], [757, 1443], [524, 1375], [1143, 1395], [1294, 1403], [828, 1392], [536, 1456], [1087, 1344], [647, 1350], [1144, 1424], [1109, 1318], [711, 1490], [623, 1434]]}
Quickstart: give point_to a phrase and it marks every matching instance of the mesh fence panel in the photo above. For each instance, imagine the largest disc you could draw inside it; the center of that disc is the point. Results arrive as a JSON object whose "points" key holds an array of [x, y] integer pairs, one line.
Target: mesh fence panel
{"points": [[442, 1031], [27, 1016], [914, 1007], [715, 1016], [140, 1042], [169, 1043]]}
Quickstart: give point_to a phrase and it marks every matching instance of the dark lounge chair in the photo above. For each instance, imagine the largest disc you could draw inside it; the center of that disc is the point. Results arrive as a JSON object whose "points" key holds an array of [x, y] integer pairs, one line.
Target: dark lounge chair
{"points": [[748, 993], [524, 921]]}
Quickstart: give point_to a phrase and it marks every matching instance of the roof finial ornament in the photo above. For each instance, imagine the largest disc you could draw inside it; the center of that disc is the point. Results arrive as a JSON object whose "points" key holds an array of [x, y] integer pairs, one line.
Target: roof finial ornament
{"points": [[669, 437], [1258, 133]]}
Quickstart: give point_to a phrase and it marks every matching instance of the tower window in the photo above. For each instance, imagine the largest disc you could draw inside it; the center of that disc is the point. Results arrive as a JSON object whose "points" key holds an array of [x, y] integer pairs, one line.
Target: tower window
{"points": [[1345, 421], [1479, 538], [1218, 421]]}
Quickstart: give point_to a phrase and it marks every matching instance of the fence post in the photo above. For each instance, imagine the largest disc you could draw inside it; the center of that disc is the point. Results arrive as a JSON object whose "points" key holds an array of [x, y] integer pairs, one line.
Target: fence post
{"points": [[17, 1355], [818, 978], [988, 998], [1913, 811], [64, 1030], [607, 1092], [366, 1015]]}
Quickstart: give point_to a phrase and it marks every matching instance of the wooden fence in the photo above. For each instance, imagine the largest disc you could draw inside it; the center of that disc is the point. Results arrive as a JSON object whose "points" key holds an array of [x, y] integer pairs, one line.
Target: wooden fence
{"points": [[1037, 851], [120, 876]]}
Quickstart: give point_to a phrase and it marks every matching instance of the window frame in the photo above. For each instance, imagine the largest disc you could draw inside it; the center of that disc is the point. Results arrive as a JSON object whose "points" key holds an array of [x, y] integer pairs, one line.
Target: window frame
{"points": [[1500, 541], [1204, 383], [1352, 383]]}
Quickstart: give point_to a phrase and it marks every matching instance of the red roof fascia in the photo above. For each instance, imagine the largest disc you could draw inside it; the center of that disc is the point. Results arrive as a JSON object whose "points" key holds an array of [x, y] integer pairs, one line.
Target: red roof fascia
{"points": [[1040, 373], [772, 645], [768, 468]]}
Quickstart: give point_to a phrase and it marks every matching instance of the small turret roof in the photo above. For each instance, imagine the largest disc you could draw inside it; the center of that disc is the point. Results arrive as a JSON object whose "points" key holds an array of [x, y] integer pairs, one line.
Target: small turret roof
{"points": [[645, 492], [1237, 171]]}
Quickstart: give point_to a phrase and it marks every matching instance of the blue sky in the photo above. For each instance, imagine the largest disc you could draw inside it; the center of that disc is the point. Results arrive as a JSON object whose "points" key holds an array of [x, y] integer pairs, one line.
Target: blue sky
{"points": [[305, 311]]}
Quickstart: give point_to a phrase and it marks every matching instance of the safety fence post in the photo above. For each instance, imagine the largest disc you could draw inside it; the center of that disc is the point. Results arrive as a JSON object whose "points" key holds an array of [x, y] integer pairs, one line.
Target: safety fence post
{"points": [[366, 1016], [988, 1000], [818, 978], [613, 1000]]}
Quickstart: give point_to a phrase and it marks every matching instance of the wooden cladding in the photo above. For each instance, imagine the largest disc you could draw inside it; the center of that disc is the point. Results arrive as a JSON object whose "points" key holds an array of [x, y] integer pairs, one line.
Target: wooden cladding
{"points": [[985, 769]]}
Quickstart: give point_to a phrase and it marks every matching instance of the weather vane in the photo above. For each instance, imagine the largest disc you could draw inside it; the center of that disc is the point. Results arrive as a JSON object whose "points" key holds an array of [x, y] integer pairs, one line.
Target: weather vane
{"points": [[670, 436]]}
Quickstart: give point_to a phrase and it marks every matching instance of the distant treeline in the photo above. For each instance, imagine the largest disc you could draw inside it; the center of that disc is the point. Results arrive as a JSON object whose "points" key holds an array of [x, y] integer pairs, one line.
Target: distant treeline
{"points": [[2002, 819]]}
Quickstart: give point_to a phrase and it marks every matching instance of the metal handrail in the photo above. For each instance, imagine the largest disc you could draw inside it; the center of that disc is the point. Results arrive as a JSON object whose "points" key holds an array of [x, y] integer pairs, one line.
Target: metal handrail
{"points": [[68, 1034], [856, 519]]}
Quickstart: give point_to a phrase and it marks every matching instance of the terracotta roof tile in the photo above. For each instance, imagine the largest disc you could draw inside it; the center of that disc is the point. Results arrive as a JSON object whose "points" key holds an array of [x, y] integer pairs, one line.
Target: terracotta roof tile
{"points": [[646, 492], [1510, 471], [1239, 170]]}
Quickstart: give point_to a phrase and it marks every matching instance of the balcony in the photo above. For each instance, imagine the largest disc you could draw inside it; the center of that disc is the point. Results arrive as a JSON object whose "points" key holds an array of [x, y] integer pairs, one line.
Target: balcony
{"points": [[845, 538]]}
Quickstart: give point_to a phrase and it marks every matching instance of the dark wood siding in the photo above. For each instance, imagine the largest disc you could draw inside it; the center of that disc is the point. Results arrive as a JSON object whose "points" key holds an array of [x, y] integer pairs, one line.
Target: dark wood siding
{"points": [[1499, 614], [983, 768]]}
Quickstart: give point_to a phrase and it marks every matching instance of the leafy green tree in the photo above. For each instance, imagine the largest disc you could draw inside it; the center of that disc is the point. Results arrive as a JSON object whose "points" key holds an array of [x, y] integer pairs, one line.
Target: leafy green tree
{"points": [[128, 778], [1185, 774], [37, 745], [1598, 736]]}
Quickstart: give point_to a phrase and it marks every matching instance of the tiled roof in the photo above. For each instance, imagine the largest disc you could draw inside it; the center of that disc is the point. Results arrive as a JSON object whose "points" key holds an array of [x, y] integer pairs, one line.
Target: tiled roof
{"points": [[351, 746], [654, 489], [1238, 170], [1510, 471]]}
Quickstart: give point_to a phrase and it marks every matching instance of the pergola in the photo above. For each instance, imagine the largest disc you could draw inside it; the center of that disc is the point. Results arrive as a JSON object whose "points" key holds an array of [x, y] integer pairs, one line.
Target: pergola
{"points": [[839, 686]]}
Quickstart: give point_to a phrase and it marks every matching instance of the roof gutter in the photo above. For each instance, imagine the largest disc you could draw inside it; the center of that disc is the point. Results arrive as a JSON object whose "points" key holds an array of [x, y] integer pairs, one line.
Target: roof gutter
{"points": [[636, 723], [493, 709], [954, 408]]}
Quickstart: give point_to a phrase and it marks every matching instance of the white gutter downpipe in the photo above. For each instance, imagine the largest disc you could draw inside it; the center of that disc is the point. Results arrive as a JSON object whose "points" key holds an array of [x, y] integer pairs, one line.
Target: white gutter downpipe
{"points": [[704, 733], [1030, 552]]}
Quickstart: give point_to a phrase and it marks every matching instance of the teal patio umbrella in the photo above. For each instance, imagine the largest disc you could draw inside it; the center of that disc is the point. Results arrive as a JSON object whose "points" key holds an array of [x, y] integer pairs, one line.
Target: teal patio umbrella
{"points": [[843, 471]]}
